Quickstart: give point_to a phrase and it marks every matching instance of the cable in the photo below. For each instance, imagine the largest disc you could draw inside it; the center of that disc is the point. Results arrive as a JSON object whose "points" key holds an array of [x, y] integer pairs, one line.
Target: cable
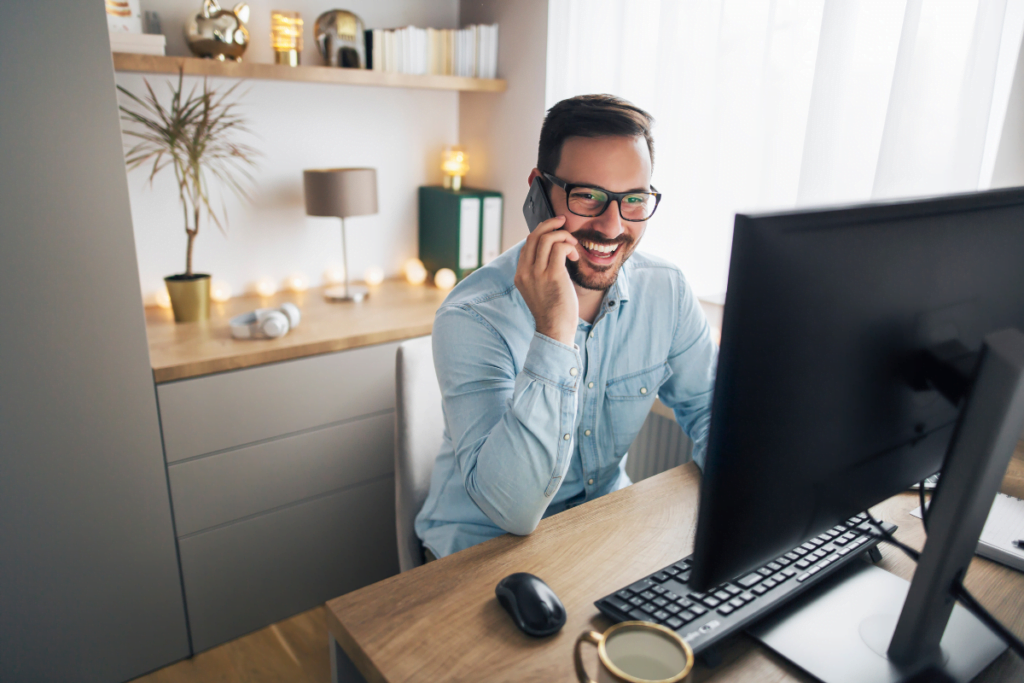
{"points": [[975, 607], [924, 505], [960, 592]]}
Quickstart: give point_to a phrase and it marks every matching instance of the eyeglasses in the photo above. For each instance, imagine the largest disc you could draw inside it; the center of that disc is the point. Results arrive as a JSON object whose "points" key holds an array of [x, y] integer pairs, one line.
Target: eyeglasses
{"points": [[590, 202]]}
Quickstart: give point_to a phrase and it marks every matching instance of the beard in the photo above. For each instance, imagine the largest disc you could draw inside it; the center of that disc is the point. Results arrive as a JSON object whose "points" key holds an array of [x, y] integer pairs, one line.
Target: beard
{"points": [[600, 278]]}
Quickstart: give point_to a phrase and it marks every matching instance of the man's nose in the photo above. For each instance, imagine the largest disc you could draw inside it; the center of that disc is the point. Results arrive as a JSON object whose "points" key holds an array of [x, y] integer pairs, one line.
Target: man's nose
{"points": [[609, 223]]}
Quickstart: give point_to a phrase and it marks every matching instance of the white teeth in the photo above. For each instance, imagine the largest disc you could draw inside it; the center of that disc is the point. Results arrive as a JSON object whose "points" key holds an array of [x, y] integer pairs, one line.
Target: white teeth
{"points": [[602, 248]]}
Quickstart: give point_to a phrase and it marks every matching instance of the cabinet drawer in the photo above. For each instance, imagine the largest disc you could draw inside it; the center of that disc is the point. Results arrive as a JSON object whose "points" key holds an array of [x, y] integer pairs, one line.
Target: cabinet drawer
{"points": [[244, 576], [244, 406], [234, 484]]}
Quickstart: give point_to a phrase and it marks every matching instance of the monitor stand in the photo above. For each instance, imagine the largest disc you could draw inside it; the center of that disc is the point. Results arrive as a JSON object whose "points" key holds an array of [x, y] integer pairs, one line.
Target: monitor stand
{"points": [[841, 630], [876, 627]]}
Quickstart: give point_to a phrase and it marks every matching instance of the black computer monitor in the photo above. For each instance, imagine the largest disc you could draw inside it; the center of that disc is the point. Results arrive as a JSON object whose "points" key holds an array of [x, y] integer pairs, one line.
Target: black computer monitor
{"points": [[820, 408]]}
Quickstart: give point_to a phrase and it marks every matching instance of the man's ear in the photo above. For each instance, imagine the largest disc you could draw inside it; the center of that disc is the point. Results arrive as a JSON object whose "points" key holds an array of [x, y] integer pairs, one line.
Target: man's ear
{"points": [[535, 173]]}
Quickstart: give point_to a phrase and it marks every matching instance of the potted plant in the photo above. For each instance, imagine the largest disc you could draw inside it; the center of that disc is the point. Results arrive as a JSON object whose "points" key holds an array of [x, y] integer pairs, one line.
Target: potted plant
{"points": [[192, 136]]}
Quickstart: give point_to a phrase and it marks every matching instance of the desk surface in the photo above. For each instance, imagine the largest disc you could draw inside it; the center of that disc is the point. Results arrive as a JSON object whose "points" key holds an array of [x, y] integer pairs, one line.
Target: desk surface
{"points": [[394, 310], [441, 621]]}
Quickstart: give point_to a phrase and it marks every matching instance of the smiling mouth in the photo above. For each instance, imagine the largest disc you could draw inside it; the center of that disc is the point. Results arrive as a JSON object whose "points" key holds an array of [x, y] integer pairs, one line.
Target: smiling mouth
{"points": [[601, 252]]}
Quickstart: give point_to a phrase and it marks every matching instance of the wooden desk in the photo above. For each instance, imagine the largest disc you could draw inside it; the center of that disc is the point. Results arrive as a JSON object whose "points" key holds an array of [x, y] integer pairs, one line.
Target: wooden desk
{"points": [[441, 621]]}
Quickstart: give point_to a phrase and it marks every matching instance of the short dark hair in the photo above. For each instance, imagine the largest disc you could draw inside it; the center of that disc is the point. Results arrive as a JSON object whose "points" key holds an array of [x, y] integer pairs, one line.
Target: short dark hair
{"points": [[590, 116]]}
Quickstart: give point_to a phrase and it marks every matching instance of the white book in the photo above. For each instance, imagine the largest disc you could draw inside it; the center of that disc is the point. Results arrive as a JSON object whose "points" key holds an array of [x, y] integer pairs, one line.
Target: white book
{"points": [[378, 50], [494, 51], [1005, 524], [491, 247], [469, 233], [138, 43]]}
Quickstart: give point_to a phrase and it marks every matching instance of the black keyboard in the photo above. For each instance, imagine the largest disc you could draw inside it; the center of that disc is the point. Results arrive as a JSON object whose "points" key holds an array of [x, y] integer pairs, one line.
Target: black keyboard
{"points": [[702, 619]]}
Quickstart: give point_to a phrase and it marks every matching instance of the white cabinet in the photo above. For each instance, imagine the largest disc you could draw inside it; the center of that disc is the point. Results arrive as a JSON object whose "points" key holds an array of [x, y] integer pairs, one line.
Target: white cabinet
{"points": [[282, 485]]}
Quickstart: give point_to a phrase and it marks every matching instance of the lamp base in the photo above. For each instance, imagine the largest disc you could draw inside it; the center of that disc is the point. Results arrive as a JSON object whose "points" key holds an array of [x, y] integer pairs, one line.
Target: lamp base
{"points": [[346, 293]]}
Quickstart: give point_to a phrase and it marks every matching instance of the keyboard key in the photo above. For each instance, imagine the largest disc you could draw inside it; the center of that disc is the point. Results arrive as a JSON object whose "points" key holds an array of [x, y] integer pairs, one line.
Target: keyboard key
{"points": [[674, 623], [764, 571], [672, 608], [620, 605], [636, 601], [824, 538], [759, 590], [749, 580], [660, 602], [800, 551], [830, 548], [649, 608], [745, 597], [660, 577], [803, 564], [683, 577], [641, 585], [806, 546], [687, 616], [712, 602], [637, 615], [839, 528], [814, 570], [648, 595], [669, 595], [684, 603], [698, 610], [816, 542], [780, 577], [832, 533], [732, 590], [737, 602], [723, 595], [671, 571], [659, 590], [844, 551], [784, 561], [842, 540], [792, 556], [696, 596], [769, 583], [624, 594], [803, 577], [789, 571], [774, 566], [661, 615], [725, 610]]}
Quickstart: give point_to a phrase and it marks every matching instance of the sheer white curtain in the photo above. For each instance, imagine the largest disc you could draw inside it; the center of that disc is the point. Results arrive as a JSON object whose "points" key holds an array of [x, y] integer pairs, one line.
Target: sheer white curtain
{"points": [[770, 104]]}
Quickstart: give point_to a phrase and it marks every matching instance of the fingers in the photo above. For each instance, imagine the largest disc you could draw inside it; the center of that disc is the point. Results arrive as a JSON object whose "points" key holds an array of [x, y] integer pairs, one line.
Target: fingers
{"points": [[546, 244], [559, 253], [529, 253]]}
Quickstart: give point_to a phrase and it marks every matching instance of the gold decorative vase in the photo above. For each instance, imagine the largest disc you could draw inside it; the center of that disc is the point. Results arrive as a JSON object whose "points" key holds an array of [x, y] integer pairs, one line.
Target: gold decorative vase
{"points": [[190, 297]]}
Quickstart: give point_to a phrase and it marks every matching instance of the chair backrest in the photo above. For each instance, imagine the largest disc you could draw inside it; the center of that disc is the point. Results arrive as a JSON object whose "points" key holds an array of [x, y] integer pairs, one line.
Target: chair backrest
{"points": [[419, 429]]}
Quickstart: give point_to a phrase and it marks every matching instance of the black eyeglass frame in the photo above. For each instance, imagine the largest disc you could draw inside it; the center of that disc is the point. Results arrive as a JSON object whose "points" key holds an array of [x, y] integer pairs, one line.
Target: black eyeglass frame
{"points": [[612, 196]]}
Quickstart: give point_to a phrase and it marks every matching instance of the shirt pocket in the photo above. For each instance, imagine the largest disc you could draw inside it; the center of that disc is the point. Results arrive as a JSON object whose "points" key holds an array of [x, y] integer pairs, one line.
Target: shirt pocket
{"points": [[628, 399]]}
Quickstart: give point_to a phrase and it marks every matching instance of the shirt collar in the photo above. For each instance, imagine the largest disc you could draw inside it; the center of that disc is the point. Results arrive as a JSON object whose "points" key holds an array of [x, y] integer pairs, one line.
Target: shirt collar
{"points": [[619, 292]]}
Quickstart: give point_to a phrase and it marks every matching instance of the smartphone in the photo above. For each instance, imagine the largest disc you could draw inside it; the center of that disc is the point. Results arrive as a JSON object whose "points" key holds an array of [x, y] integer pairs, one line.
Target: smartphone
{"points": [[537, 208]]}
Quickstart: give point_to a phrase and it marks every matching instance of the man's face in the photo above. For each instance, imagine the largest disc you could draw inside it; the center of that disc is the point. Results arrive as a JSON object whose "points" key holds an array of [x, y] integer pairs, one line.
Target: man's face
{"points": [[619, 164]]}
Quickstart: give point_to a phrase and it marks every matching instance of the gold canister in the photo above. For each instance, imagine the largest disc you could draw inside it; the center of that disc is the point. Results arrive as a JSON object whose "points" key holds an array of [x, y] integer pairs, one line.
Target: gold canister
{"points": [[190, 297]]}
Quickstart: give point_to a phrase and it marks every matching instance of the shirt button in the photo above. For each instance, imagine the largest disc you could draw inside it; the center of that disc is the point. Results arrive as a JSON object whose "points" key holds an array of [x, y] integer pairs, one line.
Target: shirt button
{"points": [[643, 390], [590, 482], [591, 335], [590, 386], [572, 371], [586, 433], [566, 437]]}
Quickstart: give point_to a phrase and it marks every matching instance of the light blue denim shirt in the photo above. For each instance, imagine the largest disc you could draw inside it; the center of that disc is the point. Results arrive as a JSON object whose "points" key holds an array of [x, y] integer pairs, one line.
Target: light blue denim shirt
{"points": [[532, 426]]}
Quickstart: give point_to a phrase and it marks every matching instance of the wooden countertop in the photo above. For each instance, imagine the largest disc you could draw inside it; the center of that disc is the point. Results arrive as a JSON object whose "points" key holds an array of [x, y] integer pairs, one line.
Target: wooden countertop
{"points": [[394, 310]]}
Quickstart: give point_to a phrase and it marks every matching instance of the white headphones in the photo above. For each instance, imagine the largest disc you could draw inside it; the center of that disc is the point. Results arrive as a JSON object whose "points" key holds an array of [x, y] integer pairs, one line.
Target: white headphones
{"points": [[266, 323]]}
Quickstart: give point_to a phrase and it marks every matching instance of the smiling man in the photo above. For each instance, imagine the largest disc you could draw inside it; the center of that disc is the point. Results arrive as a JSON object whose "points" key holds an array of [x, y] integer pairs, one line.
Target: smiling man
{"points": [[550, 357]]}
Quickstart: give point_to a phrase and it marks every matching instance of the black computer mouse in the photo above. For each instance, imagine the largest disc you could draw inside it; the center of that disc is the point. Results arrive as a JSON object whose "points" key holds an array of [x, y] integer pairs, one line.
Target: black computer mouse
{"points": [[533, 606]]}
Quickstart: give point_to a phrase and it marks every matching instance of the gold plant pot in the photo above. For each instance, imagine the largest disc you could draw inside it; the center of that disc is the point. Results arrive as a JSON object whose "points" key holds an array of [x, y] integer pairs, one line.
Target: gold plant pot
{"points": [[190, 297]]}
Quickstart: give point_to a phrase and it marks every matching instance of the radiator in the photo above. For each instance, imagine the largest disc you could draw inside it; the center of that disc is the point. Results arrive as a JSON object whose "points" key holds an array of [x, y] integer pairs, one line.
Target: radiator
{"points": [[660, 445]]}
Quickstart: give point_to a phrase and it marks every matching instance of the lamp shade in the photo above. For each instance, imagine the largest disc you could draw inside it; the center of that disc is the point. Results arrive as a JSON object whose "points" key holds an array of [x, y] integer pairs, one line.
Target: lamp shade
{"points": [[340, 192]]}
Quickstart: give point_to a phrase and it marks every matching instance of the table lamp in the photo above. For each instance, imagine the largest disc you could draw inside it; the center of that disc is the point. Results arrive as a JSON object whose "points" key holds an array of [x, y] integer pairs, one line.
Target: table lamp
{"points": [[341, 192]]}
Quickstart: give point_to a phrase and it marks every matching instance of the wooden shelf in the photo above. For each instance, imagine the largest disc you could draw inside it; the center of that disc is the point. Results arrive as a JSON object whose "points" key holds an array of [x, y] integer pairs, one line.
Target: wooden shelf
{"points": [[310, 74]]}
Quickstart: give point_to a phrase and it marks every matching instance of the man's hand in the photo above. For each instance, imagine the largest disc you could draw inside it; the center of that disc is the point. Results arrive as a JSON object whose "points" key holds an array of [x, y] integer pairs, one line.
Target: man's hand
{"points": [[544, 282]]}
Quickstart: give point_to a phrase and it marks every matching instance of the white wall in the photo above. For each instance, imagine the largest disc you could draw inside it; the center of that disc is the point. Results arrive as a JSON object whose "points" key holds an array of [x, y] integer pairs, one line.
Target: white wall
{"points": [[296, 126], [1009, 161], [500, 132]]}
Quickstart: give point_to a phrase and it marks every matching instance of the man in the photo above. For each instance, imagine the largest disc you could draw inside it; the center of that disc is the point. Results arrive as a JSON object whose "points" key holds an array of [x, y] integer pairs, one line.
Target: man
{"points": [[550, 357]]}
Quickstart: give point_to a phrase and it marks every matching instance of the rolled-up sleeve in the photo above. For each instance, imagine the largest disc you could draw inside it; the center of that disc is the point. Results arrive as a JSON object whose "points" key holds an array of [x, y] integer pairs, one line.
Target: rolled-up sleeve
{"points": [[693, 359], [512, 432]]}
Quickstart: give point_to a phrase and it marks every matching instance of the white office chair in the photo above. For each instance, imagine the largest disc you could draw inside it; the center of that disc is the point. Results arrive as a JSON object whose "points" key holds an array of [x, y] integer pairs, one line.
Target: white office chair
{"points": [[419, 428]]}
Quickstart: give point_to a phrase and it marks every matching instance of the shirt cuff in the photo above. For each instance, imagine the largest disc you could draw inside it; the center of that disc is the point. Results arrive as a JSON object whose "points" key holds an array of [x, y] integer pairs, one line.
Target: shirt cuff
{"points": [[553, 362]]}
